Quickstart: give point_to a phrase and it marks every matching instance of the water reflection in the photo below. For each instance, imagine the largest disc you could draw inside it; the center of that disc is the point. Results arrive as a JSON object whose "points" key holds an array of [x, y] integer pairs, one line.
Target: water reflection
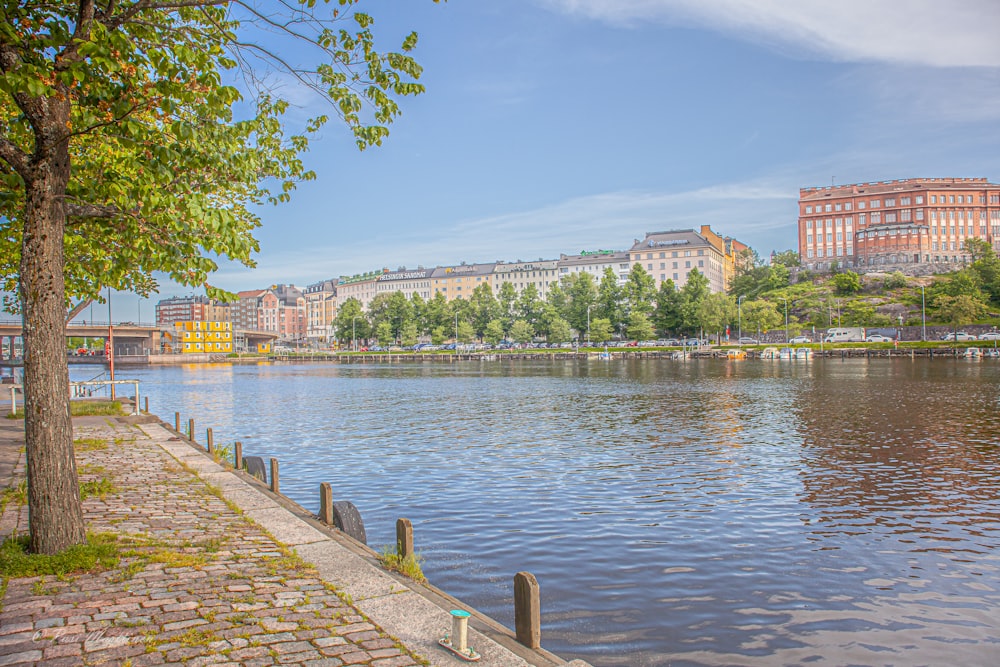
{"points": [[699, 512]]}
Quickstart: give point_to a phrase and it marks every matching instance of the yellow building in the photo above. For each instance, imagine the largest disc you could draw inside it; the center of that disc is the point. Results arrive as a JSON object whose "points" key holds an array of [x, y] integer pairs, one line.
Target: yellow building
{"points": [[203, 337]]}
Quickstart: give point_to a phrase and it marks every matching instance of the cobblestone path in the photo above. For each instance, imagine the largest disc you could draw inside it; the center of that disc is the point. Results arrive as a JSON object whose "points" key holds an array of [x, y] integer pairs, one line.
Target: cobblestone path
{"points": [[200, 585]]}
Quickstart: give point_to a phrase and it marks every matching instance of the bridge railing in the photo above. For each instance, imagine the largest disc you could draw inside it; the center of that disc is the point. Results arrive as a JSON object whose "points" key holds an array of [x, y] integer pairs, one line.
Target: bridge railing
{"points": [[79, 390]]}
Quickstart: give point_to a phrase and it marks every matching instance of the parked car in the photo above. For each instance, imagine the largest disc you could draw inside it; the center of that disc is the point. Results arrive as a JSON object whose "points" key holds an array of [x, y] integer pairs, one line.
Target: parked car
{"points": [[799, 340], [746, 340], [990, 335], [878, 338], [961, 335]]}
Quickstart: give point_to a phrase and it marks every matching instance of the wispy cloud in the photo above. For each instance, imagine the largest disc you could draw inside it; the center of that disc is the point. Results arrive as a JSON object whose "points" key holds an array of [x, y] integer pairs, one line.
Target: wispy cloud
{"points": [[609, 220], [960, 33]]}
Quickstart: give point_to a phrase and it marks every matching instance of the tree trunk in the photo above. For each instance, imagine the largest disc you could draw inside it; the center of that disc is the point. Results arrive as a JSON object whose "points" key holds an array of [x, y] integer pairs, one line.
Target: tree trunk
{"points": [[54, 508]]}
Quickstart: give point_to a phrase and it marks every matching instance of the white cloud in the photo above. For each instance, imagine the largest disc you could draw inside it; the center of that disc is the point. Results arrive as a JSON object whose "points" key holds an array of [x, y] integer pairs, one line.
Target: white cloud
{"points": [[959, 33]]}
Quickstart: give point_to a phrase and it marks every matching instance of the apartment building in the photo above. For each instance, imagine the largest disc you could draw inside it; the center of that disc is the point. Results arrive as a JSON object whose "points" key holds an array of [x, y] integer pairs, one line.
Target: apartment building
{"points": [[672, 255], [283, 311], [542, 274], [595, 262], [190, 309], [896, 224], [361, 286], [459, 282], [407, 281], [321, 309], [199, 337]]}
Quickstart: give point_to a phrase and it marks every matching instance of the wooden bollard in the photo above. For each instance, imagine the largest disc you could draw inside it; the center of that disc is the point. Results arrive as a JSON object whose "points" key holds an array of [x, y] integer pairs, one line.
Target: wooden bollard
{"points": [[191, 430], [527, 610], [404, 538], [274, 476], [238, 455], [209, 440], [146, 403], [177, 422], [326, 503]]}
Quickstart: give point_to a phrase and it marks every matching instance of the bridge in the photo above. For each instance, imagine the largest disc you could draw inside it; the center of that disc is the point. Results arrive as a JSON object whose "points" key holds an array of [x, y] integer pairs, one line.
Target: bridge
{"points": [[130, 339]]}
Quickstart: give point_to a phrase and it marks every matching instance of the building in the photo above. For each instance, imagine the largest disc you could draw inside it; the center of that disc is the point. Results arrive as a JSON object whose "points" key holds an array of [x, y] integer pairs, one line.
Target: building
{"points": [[283, 311], [190, 309], [896, 224], [321, 309], [542, 274], [245, 313], [202, 337], [362, 286], [459, 282], [409, 282], [595, 262], [672, 255]]}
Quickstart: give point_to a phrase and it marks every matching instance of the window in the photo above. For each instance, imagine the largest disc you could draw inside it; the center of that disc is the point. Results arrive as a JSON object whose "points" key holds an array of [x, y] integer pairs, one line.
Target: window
{"points": [[663, 265], [890, 216], [674, 265], [933, 199], [838, 207], [876, 218], [828, 208], [920, 214], [809, 238], [675, 276], [809, 225], [701, 252], [862, 204], [847, 206], [701, 263], [829, 237], [687, 264], [650, 267], [809, 209], [891, 201], [862, 218], [840, 236], [951, 200], [876, 203], [919, 199], [904, 201]]}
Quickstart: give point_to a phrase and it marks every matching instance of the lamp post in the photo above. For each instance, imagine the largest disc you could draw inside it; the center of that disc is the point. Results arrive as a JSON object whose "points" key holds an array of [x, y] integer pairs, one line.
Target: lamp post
{"points": [[923, 316], [354, 337], [786, 319], [110, 351], [456, 331], [739, 315], [588, 325]]}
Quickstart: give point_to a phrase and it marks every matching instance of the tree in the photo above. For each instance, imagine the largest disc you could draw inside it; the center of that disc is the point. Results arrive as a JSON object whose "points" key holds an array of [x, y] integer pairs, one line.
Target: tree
{"points": [[120, 148], [639, 290], [716, 312], [466, 332], [760, 315], [847, 282], [787, 258], [959, 310], [695, 291], [494, 332], [484, 306], [600, 330], [667, 315], [506, 297], [521, 332], [383, 333], [581, 293], [639, 327], [529, 305], [408, 335], [559, 331], [609, 299], [351, 323]]}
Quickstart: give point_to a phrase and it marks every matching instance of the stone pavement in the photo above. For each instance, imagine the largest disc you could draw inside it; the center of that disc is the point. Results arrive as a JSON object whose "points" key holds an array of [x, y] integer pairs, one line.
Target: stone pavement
{"points": [[218, 571]]}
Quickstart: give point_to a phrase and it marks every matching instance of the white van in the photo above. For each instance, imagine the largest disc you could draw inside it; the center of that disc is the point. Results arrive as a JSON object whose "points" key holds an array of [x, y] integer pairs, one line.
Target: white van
{"points": [[845, 335]]}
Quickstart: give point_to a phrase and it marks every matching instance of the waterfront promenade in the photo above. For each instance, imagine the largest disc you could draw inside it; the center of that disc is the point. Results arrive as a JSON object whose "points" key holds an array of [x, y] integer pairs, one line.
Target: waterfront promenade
{"points": [[218, 571]]}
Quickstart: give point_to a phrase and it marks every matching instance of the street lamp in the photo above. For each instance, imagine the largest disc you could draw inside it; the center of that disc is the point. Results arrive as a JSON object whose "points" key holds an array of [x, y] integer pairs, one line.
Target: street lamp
{"points": [[456, 331], [739, 313], [588, 325], [354, 337], [786, 319], [923, 315], [109, 352]]}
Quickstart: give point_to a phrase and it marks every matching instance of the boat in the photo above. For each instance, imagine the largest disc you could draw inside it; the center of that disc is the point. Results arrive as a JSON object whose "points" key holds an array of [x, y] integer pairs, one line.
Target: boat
{"points": [[736, 354], [769, 353], [972, 353]]}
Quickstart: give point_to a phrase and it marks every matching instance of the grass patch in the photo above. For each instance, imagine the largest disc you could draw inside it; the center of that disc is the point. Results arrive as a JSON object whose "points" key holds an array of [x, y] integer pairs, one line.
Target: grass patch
{"points": [[97, 487], [89, 444], [101, 552], [14, 494], [83, 409], [408, 566]]}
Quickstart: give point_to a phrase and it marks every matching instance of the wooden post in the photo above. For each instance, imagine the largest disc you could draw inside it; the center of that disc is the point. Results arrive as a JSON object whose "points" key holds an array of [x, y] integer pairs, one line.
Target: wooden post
{"points": [[274, 476], [146, 401], [404, 538], [238, 455], [191, 430], [177, 422], [326, 503], [527, 610], [209, 441]]}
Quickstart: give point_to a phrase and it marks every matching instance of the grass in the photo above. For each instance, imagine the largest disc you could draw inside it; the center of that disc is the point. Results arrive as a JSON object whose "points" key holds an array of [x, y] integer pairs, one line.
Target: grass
{"points": [[408, 566], [97, 487], [83, 409], [14, 494], [100, 552], [89, 444]]}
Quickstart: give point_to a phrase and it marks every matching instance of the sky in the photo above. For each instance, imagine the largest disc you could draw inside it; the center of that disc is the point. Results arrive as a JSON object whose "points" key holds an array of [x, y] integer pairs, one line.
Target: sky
{"points": [[556, 126]]}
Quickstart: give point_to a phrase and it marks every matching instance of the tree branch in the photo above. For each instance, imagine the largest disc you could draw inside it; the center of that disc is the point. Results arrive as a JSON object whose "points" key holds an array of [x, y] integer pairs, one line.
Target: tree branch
{"points": [[14, 156]]}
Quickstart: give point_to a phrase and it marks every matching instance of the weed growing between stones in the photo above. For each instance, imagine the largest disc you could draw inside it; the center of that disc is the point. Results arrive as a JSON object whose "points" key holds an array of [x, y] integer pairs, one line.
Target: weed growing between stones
{"points": [[14, 494], [101, 552], [97, 487], [408, 566], [89, 444]]}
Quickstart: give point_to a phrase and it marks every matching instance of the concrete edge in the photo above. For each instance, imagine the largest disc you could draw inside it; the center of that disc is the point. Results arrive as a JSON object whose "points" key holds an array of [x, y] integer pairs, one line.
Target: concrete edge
{"points": [[417, 614]]}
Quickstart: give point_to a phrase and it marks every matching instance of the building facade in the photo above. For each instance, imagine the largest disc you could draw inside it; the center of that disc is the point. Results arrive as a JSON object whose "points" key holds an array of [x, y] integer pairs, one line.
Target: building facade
{"points": [[595, 262], [283, 311], [542, 274], [409, 282], [200, 337], [672, 255], [245, 313], [459, 282], [896, 224], [190, 309], [362, 286], [321, 309]]}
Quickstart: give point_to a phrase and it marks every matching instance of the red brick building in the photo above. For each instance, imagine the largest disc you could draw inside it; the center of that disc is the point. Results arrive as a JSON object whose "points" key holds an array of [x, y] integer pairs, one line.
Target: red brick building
{"points": [[896, 224]]}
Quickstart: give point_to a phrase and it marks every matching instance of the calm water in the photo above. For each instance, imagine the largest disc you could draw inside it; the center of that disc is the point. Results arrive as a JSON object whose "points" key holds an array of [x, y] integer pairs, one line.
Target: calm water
{"points": [[683, 513]]}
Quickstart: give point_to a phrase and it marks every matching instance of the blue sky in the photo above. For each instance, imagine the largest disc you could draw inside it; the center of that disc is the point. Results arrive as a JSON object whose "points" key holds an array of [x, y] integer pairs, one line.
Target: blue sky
{"points": [[555, 126]]}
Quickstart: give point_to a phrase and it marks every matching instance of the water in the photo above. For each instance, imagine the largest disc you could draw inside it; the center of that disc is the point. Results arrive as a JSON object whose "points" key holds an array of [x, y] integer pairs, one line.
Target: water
{"points": [[685, 513]]}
